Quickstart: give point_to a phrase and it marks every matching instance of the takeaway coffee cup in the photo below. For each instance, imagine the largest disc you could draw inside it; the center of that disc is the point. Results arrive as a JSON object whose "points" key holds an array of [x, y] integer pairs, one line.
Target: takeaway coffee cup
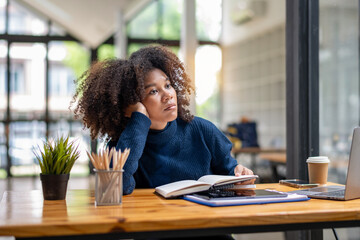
{"points": [[318, 169]]}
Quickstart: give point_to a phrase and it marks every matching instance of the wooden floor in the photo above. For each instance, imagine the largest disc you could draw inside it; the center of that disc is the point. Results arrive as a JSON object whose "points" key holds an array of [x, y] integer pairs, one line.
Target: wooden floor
{"points": [[29, 183]]}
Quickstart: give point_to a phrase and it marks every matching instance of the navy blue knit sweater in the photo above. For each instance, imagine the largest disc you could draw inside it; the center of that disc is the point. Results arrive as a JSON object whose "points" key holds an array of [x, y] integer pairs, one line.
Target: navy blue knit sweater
{"points": [[180, 151]]}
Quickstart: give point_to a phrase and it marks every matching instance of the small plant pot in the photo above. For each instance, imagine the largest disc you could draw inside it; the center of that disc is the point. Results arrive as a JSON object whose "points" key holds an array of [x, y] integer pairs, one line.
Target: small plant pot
{"points": [[54, 186]]}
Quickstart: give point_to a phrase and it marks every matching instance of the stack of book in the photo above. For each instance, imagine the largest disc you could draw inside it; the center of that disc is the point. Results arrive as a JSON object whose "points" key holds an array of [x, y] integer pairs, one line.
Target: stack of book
{"points": [[220, 190]]}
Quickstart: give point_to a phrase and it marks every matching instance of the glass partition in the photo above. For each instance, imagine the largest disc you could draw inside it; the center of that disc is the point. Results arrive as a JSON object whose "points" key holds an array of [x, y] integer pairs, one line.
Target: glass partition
{"points": [[160, 20], [3, 158], [3, 81], [56, 30], [208, 19], [23, 21], [144, 24], [170, 25], [2, 15], [67, 61], [208, 63], [27, 80], [24, 136], [339, 82]]}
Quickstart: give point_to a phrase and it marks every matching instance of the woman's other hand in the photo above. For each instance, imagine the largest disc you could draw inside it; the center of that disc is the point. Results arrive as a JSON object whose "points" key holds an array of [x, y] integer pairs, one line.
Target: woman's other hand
{"points": [[137, 107], [241, 170]]}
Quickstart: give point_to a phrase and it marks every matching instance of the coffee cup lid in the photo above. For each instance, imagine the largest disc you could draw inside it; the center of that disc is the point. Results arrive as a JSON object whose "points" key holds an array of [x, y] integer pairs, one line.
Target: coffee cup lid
{"points": [[318, 159]]}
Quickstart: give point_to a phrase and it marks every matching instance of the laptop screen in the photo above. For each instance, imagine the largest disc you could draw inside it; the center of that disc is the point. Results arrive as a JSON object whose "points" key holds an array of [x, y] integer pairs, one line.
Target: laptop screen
{"points": [[353, 177]]}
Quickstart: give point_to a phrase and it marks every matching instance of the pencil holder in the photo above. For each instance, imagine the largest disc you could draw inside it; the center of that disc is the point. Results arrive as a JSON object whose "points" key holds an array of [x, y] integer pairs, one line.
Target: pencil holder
{"points": [[108, 187]]}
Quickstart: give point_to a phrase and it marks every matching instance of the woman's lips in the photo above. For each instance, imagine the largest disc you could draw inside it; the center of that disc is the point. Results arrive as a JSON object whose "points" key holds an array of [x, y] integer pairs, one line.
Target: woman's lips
{"points": [[170, 107]]}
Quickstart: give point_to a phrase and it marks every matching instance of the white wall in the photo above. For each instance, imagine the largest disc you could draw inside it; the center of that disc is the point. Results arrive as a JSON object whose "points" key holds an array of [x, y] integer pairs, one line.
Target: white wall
{"points": [[231, 33]]}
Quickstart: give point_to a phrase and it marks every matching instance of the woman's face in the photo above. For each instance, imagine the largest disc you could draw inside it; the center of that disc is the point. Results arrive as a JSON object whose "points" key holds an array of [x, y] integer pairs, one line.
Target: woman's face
{"points": [[160, 99]]}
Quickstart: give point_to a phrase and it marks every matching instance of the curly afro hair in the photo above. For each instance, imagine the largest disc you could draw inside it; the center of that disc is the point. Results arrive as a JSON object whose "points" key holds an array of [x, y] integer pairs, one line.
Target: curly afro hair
{"points": [[107, 88]]}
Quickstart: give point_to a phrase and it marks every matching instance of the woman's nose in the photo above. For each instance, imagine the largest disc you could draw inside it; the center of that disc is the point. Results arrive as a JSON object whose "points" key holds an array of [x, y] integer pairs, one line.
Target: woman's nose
{"points": [[167, 96]]}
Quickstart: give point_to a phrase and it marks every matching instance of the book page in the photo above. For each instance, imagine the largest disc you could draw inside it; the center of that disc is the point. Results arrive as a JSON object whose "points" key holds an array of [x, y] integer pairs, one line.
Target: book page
{"points": [[225, 179], [181, 187]]}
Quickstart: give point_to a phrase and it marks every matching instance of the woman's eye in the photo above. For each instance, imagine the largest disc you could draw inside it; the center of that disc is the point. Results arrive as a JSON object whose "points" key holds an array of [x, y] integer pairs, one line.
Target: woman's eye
{"points": [[152, 92], [168, 86]]}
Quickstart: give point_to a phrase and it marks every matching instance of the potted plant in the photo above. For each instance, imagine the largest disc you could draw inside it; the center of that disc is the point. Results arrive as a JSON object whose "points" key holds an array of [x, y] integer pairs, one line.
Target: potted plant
{"points": [[56, 160]]}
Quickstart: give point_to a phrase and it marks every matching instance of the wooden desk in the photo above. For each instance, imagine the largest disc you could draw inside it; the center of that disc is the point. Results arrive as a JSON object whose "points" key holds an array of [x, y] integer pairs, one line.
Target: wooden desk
{"points": [[144, 214]]}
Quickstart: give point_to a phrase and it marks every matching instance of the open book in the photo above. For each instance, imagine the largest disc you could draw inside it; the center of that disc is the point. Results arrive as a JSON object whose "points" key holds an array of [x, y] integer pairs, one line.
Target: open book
{"points": [[204, 183]]}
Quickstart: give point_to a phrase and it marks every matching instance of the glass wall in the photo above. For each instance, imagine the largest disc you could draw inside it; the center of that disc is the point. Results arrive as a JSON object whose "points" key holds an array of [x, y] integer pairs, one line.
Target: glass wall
{"points": [[339, 87], [339, 81], [145, 24], [2, 16], [42, 74], [208, 62], [27, 80], [3, 99], [67, 61], [3, 81], [27, 104], [208, 19], [23, 21]]}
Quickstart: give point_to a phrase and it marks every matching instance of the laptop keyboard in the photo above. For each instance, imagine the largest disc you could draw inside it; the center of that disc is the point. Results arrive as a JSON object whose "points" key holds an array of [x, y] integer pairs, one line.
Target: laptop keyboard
{"points": [[332, 191], [339, 193]]}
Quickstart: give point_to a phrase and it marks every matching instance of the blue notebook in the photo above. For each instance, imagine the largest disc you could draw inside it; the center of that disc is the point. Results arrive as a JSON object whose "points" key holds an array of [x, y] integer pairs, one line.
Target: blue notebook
{"points": [[249, 197]]}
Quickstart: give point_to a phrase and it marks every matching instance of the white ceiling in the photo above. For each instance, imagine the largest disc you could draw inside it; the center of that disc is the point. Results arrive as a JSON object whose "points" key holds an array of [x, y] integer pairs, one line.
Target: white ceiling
{"points": [[90, 21]]}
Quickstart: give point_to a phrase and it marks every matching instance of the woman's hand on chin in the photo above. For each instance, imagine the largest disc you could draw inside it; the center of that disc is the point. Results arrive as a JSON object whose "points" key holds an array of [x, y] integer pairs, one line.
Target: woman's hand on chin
{"points": [[137, 107]]}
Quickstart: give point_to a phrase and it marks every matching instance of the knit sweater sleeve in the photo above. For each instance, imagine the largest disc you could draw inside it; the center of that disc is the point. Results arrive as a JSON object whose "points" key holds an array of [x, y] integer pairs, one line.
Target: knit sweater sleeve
{"points": [[220, 147], [133, 137]]}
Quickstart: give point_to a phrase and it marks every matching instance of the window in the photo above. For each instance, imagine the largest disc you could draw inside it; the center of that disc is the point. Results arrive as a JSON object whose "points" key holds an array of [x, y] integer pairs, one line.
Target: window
{"points": [[17, 78], [61, 78], [2, 15], [29, 124], [208, 19], [339, 82], [3, 96], [208, 62], [56, 30], [170, 19], [144, 24], [3, 158], [67, 61], [24, 135], [27, 80], [160, 20], [106, 51], [22, 21]]}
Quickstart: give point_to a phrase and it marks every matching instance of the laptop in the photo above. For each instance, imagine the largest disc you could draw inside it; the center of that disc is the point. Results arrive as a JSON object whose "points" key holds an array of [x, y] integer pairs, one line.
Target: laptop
{"points": [[352, 188]]}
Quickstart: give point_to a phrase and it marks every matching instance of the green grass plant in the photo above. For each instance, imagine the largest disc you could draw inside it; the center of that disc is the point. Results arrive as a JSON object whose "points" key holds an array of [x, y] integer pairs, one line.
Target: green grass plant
{"points": [[58, 156]]}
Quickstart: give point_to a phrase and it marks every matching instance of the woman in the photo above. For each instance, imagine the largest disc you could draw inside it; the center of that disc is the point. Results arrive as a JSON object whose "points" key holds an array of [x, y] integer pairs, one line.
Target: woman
{"points": [[141, 104]]}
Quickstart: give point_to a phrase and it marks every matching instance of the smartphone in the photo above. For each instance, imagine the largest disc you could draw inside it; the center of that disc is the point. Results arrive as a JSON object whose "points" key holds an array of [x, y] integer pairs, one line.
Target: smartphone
{"points": [[297, 183]]}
